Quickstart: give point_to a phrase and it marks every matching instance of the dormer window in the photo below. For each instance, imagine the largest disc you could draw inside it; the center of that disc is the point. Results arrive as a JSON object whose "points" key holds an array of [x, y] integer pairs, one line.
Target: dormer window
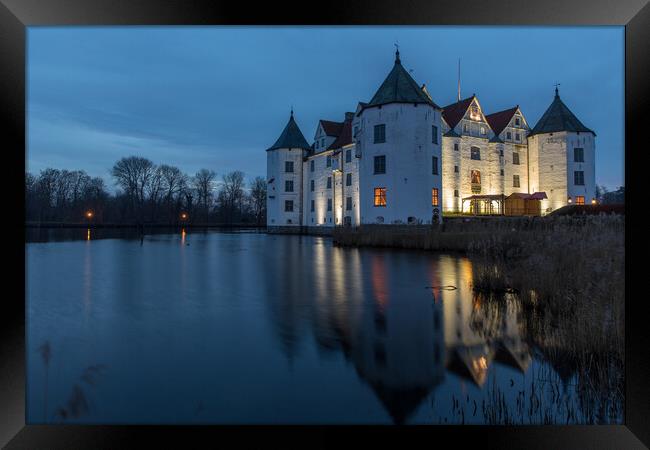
{"points": [[474, 113], [508, 135], [465, 128], [482, 130], [517, 122]]}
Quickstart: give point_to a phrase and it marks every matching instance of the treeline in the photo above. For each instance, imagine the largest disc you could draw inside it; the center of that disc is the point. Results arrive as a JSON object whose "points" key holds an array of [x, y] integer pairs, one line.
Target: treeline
{"points": [[146, 193]]}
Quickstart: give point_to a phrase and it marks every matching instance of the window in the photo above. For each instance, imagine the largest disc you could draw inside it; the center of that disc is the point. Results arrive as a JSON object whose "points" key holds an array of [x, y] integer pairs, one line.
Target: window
{"points": [[580, 200], [517, 136], [316, 144], [517, 121], [356, 131], [348, 156], [501, 172], [434, 197], [329, 204], [380, 196], [288, 186], [578, 154], [348, 203], [380, 134], [288, 205], [322, 142], [456, 146], [329, 182], [434, 165], [482, 130], [508, 135], [465, 128], [348, 179], [455, 192], [380, 164], [500, 152], [475, 153], [515, 181], [579, 178], [455, 169], [434, 132], [312, 206], [515, 158], [328, 163], [288, 166], [311, 165], [312, 185]]}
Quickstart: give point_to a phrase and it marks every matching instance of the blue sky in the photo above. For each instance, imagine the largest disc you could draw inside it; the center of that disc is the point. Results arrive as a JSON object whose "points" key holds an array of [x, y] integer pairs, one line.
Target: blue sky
{"points": [[217, 97]]}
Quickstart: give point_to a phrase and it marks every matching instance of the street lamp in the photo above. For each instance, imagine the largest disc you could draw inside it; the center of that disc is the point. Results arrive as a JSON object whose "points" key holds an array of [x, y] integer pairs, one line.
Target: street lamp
{"points": [[184, 216]]}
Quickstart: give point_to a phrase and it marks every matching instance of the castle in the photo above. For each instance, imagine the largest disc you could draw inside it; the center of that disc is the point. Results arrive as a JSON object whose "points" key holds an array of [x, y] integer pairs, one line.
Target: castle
{"points": [[401, 158]]}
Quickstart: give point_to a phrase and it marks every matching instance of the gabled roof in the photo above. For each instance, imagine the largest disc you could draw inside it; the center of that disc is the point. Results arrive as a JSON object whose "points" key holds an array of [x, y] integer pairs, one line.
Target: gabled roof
{"points": [[331, 128], [399, 87], [499, 120], [345, 136], [456, 111], [558, 117], [291, 137]]}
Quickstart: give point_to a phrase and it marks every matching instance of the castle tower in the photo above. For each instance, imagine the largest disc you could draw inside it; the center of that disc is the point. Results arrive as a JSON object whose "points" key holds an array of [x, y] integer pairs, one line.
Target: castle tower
{"points": [[562, 158], [399, 146], [284, 177]]}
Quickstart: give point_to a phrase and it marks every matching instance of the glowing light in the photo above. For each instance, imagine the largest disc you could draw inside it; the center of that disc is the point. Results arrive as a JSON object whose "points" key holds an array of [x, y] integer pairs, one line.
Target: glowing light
{"points": [[89, 214], [183, 234], [569, 200], [184, 216], [593, 201], [88, 234]]}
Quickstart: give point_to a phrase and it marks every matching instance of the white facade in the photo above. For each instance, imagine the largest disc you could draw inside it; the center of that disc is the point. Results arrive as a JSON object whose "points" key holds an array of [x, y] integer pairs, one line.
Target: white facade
{"points": [[403, 159]]}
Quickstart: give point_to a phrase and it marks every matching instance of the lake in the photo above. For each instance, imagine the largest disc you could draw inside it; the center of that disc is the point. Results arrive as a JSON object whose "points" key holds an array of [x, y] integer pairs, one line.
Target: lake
{"points": [[206, 327]]}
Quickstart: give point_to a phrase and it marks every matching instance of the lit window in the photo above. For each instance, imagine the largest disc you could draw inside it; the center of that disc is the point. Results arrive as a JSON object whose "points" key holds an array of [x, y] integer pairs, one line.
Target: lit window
{"points": [[329, 182], [348, 156], [434, 165], [329, 204], [578, 154], [348, 179], [475, 153], [380, 196], [580, 200], [579, 178], [434, 133], [515, 158], [380, 134], [434, 197], [328, 163], [515, 181], [288, 166], [380, 164], [288, 205], [312, 185], [348, 203], [288, 186]]}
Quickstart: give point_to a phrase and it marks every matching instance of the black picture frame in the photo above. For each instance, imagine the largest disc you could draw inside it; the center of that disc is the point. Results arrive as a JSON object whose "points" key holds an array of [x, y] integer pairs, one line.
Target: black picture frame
{"points": [[16, 15]]}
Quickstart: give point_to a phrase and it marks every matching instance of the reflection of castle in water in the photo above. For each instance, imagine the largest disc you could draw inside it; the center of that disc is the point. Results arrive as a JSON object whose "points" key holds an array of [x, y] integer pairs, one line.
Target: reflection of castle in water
{"points": [[402, 338]]}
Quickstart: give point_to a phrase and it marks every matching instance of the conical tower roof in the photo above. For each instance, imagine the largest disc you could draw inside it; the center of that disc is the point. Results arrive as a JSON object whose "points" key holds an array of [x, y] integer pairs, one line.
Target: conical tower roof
{"points": [[399, 87], [558, 117], [291, 137]]}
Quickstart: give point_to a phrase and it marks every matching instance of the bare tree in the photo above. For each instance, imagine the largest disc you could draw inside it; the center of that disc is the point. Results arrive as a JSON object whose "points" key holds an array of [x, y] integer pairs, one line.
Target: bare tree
{"points": [[133, 175], [258, 198], [233, 192], [203, 183]]}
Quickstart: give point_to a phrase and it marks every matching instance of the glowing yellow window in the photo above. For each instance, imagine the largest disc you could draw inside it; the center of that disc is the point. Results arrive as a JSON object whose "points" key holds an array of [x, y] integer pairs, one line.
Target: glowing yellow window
{"points": [[434, 197], [580, 200], [380, 196]]}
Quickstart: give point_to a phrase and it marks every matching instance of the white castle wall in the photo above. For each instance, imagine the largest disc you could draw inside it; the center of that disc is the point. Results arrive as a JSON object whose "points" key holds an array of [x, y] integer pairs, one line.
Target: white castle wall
{"points": [[408, 149], [276, 195]]}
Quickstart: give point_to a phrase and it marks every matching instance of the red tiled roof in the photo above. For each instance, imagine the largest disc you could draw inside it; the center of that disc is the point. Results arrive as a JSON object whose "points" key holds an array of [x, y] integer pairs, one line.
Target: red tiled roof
{"points": [[345, 137], [454, 112], [499, 120], [331, 128]]}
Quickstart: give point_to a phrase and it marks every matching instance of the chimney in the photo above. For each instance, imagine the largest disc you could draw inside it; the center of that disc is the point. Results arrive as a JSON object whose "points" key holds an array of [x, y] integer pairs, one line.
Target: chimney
{"points": [[349, 116]]}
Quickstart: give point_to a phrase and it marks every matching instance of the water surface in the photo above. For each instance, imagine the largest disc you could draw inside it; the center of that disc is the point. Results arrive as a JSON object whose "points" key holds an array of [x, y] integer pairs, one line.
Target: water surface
{"points": [[229, 328]]}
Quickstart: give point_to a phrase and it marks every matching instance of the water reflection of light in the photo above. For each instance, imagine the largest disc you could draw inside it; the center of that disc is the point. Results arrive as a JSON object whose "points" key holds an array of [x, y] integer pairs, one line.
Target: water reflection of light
{"points": [[379, 290], [88, 235], [183, 234]]}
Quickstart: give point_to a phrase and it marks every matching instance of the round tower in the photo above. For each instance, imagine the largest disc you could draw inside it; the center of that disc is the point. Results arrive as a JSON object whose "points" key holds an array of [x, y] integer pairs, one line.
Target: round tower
{"points": [[284, 178], [562, 158]]}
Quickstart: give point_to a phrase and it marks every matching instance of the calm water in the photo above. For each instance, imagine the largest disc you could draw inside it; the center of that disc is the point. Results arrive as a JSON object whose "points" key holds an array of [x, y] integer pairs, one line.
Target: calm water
{"points": [[216, 327]]}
